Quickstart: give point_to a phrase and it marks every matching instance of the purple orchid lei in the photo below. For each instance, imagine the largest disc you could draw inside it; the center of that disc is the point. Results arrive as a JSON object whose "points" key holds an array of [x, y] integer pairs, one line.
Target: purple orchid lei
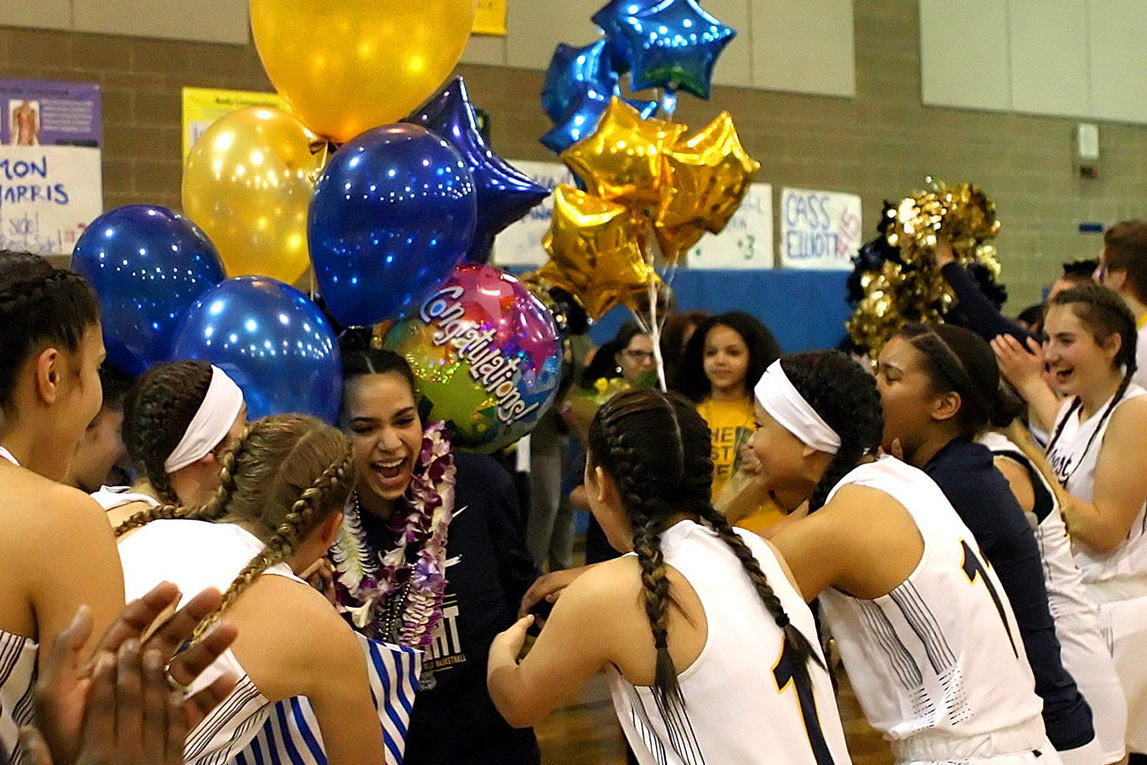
{"points": [[366, 580]]}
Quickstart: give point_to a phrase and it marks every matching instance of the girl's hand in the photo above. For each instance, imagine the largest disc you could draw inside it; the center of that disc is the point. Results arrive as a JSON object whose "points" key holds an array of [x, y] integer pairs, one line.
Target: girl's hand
{"points": [[507, 646], [1021, 366], [548, 587]]}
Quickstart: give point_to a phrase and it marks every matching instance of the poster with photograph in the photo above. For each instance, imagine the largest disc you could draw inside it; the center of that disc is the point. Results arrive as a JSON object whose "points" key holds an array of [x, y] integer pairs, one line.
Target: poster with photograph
{"points": [[51, 182]]}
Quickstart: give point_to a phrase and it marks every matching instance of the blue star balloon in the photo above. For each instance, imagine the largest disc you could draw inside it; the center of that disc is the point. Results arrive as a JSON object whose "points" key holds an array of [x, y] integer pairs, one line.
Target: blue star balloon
{"points": [[571, 71], [583, 118], [673, 44], [505, 194], [609, 20]]}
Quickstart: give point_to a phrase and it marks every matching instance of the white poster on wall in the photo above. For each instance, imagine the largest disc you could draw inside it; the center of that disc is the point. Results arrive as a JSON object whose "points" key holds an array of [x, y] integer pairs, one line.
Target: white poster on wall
{"points": [[747, 241], [520, 244], [819, 229]]}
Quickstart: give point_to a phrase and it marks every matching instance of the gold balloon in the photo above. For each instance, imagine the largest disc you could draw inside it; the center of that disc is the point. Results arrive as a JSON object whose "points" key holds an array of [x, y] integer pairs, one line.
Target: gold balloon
{"points": [[352, 65], [596, 251], [623, 160], [248, 182], [708, 177]]}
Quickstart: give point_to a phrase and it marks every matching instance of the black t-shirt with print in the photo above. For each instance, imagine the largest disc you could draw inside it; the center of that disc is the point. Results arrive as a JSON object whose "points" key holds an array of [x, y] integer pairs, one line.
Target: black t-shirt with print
{"points": [[488, 570]]}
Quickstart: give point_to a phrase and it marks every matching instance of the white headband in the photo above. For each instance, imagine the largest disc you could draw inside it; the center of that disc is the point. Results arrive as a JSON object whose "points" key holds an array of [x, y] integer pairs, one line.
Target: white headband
{"points": [[784, 403], [210, 424]]}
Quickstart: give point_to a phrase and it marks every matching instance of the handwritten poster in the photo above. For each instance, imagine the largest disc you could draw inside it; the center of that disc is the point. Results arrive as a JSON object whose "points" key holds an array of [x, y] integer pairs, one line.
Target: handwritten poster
{"points": [[747, 241], [819, 229], [202, 106], [520, 244], [51, 185]]}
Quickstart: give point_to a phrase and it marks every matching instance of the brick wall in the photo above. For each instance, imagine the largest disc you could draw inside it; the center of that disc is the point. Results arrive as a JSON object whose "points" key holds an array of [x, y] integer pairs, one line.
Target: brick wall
{"points": [[879, 145]]}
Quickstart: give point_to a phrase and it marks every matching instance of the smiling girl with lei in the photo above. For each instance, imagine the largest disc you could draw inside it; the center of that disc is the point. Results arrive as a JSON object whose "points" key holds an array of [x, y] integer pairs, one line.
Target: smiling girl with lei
{"points": [[432, 556]]}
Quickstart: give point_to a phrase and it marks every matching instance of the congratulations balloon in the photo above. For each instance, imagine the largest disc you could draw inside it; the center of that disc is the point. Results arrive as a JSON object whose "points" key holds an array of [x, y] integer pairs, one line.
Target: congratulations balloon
{"points": [[391, 216], [247, 182], [505, 193], [147, 265], [349, 66], [272, 340], [486, 356]]}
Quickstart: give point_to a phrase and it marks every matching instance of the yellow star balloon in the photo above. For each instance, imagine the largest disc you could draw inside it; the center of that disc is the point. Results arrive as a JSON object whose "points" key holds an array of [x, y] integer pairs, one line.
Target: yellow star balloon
{"points": [[708, 177], [623, 160], [596, 252]]}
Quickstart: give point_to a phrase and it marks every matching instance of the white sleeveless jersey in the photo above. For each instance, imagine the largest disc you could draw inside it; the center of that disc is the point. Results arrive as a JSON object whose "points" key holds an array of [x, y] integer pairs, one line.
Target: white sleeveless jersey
{"points": [[1074, 463], [111, 497], [1077, 623], [937, 664], [18, 656], [246, 727], [741, 701]]}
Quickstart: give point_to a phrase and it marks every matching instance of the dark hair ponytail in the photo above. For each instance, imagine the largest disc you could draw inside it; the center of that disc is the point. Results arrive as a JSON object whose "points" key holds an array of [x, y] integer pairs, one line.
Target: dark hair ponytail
{"points": [[1104, 313], [845, 397], [657, 449]]}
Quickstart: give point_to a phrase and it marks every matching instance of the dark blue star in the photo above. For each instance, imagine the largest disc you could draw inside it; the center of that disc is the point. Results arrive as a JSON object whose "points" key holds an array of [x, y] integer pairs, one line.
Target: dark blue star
{"points": [[571, 71], [505, 193]]}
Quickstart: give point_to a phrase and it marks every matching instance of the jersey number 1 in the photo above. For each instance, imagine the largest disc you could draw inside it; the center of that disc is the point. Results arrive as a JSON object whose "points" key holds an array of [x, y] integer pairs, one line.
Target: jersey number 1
{"points": [[973, 568], [785, 673]]}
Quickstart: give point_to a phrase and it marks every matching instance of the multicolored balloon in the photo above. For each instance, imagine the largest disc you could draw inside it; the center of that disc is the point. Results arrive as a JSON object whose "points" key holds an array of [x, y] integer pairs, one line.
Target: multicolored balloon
{"points": [[673, 44], [147, 264], [391, 216], [248, 181], [486, 356], [272, 340], [505, 194]]}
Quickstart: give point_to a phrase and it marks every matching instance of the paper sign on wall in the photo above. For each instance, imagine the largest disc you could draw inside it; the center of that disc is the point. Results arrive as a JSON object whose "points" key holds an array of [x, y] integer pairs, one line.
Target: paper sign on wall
{"points": [[51, 184], [520, 244], [747, 241], [202, 106], [819, 229], [490, 18]]}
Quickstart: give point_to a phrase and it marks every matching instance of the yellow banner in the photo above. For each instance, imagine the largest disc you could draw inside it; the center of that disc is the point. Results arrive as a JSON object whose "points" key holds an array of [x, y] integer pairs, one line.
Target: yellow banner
{"points": [[491, 18], [202, 106]]}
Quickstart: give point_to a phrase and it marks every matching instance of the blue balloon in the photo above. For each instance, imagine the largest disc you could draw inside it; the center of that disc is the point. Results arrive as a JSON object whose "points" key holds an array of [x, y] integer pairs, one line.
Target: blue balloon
{"points": [[609, 19], [673, 44], [571, 71], [505, 193], [583, 119], [393, 213], [272, 340], [147, 265]]}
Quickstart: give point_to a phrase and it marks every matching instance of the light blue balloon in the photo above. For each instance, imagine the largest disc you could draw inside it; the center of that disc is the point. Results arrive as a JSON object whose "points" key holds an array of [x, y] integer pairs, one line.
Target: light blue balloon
{"points": [[272, 340]]}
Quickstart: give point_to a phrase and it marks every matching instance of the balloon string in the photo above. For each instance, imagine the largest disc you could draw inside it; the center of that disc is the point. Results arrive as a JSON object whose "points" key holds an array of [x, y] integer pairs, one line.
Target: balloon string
{"points": [[653, 326]]}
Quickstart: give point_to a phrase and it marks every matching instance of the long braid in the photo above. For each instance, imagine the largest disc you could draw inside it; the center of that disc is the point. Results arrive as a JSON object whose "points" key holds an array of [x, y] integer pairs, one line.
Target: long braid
{"points": [[802, 650], [295, 525], [647, 546]]}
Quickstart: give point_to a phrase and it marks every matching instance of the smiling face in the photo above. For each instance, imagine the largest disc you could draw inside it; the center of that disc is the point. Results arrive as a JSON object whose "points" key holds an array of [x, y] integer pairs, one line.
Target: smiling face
{"points": [[386, 433], [780, 453], [1076, 360], [726, 360]]}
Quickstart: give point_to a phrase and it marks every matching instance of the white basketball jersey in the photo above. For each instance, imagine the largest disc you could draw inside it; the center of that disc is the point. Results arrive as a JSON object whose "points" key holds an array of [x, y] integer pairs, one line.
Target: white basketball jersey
{"points": [[1074, 457], [742, 703], [940, 657]]}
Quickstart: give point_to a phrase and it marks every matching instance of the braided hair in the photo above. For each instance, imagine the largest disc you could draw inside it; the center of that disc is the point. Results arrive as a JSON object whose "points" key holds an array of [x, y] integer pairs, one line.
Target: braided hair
{"points": [[280, 479], [38, 305], [657, 448], [1104, 314], [157, 412], [845, 397]]}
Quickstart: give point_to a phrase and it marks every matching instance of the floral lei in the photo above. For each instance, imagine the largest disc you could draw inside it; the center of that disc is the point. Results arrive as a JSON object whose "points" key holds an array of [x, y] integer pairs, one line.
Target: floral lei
{"points": [[365, 580]]}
